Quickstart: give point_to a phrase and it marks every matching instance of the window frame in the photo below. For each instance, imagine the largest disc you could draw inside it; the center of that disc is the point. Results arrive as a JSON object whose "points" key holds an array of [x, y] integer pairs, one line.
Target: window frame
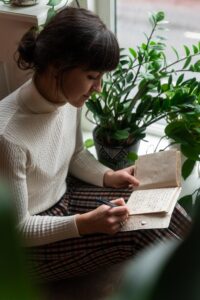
{"points": [[106, 9]]}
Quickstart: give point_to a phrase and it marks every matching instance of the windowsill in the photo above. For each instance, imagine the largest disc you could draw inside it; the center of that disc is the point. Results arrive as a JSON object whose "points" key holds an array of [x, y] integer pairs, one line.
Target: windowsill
{"points": [[148, 145]]}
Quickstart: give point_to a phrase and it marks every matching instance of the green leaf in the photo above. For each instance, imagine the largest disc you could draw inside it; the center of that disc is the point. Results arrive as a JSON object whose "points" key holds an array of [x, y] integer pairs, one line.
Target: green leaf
{"points": [[124, 62], [162, 38], [129, 77], [50, 14], [187, 50], [152, 20], [197, 66], [144, 46], [187, 62], [187, 168], [133, 52], [89, 143], [190, 152], [158, 47], [121, 135], [160, 16], [195, 49], [127, 89], [170, 80], [132, 156], [94, 106], [176, 52], [187, 203], [176, 131], [180, 79], [165, 87]]}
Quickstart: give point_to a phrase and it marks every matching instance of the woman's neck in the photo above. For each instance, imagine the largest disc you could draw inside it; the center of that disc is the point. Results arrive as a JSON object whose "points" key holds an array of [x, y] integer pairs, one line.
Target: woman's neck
{"points": [[47, 85]]}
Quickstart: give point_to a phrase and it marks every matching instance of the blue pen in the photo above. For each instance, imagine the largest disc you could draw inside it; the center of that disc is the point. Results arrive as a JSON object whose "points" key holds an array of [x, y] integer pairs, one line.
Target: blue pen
{"points": [[106, 202]]}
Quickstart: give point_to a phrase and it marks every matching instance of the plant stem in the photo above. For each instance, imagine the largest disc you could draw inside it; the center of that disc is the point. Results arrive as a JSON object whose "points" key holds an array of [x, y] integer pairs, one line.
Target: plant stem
{"points": [[77, 3], [159, 142], [179, 60]]}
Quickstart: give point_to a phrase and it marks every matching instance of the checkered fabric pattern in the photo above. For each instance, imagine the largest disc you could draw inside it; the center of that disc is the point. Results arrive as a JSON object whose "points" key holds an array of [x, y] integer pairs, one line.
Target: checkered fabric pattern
{"points": [[80, 256]]}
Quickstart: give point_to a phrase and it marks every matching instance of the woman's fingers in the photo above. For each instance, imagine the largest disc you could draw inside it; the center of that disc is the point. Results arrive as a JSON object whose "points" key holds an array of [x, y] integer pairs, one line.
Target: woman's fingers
{"points": [[116, 222], [132, 180], [130, 169], [119, 213], [119, 201], [104, 219]]}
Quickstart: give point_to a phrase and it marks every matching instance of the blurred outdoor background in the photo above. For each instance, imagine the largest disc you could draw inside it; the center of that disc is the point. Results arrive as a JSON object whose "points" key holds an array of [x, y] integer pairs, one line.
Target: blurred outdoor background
{"points": [[183, 16]]}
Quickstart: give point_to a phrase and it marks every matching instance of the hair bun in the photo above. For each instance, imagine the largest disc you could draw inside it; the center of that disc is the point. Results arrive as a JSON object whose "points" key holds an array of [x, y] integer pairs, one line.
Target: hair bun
{"points": [[26, 49]]}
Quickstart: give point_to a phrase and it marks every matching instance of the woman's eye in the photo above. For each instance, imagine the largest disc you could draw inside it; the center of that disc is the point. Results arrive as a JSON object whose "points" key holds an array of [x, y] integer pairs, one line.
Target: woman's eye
{"points": [[92, 77]]}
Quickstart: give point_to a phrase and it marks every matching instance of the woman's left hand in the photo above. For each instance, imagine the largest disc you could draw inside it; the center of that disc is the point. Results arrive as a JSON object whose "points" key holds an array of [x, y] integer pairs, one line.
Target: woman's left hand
{"points": [[120, 179]]}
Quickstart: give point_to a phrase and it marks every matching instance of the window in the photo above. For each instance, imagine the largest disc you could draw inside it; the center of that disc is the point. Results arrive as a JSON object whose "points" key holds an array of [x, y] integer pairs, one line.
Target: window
{"points": [[106, 9], [129, 19], [132, 20], [183, 28]]}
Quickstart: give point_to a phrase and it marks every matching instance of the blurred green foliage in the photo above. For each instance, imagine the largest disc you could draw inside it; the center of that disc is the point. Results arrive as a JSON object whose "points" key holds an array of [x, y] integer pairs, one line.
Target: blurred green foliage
{"points": [[14, 280], [166, 271]]}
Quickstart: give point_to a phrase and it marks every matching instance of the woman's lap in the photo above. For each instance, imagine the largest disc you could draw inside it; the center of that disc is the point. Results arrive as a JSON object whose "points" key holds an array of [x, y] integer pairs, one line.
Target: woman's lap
{"points": [[83, 255]]}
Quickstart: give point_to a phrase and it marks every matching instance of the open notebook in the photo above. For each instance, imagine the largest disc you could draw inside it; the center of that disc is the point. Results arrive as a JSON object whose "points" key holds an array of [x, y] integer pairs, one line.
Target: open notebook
{"points": [[152, 203]]}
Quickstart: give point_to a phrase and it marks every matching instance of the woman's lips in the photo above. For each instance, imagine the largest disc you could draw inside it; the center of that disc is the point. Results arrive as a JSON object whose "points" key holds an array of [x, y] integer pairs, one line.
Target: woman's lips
{"points": [[86, 96]]}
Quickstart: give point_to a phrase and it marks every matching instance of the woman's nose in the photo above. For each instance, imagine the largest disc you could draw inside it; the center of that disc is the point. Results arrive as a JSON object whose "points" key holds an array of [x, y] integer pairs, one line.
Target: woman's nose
{"points": [[97, 86]]}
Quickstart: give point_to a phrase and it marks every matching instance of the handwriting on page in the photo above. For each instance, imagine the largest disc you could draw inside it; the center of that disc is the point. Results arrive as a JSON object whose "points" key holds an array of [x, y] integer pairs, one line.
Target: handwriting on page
{"points": [[150, 201]]}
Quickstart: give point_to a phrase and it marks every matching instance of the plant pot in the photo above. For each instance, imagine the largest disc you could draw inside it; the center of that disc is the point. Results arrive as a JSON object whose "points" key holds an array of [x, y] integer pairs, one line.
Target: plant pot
{"points": [[114, 157]]}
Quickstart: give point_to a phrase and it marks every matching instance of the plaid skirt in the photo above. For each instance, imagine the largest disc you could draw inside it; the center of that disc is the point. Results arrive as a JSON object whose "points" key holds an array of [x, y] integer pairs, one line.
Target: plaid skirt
{"points": [[83, 255]]}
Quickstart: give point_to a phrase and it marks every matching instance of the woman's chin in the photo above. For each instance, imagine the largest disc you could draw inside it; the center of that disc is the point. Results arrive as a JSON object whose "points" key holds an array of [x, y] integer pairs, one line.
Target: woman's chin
{"points": [[79, 104]]}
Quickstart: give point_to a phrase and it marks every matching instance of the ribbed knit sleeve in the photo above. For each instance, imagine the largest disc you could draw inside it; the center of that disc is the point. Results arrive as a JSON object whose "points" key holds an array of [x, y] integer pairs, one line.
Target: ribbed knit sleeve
{"points": [[36, 230], [83, 164]]}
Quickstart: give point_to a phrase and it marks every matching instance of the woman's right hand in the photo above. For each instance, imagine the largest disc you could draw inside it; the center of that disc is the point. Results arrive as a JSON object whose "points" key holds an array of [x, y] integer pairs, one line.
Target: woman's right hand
{"points": [[103, 219]]}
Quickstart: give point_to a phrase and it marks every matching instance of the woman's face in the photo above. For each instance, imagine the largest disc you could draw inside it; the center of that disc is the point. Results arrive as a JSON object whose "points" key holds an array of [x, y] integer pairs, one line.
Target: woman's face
{"points": [[78, 84]]}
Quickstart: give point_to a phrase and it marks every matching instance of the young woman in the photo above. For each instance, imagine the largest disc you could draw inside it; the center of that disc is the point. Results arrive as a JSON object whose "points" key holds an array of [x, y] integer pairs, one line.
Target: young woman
{"points": [[66, 232]]}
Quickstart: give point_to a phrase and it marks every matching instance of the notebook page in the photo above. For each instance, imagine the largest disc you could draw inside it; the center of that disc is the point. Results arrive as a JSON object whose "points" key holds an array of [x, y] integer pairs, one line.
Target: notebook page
{"points": [[151, 221], [151, 201], [158, 170]]}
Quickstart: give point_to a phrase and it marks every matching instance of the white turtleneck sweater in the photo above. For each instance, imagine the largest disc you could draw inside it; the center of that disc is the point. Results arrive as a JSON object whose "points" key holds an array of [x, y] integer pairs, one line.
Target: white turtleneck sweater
{"points": [[40, 143]]}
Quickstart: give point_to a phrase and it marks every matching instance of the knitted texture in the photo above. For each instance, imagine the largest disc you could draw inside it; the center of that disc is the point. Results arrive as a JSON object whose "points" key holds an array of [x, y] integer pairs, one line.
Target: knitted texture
{"points": [[40, 143]]}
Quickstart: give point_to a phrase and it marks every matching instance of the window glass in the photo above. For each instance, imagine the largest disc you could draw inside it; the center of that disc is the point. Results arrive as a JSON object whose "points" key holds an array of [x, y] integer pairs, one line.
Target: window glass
{"points": [[183, 17], [132, 21]]}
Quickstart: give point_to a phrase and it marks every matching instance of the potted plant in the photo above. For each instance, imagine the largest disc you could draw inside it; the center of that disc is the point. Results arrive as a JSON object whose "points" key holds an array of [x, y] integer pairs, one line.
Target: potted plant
{"points": [[144, 88], [183, 130], [184, 133]]}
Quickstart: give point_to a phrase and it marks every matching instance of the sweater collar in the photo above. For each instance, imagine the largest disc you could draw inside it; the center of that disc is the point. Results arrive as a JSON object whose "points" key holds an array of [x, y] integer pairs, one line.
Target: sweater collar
{"points": [[30, 98]]}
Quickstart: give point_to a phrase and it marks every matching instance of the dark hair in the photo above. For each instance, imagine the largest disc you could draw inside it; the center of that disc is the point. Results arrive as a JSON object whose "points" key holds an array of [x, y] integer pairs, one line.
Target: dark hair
{"points": [[74, 37]]}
